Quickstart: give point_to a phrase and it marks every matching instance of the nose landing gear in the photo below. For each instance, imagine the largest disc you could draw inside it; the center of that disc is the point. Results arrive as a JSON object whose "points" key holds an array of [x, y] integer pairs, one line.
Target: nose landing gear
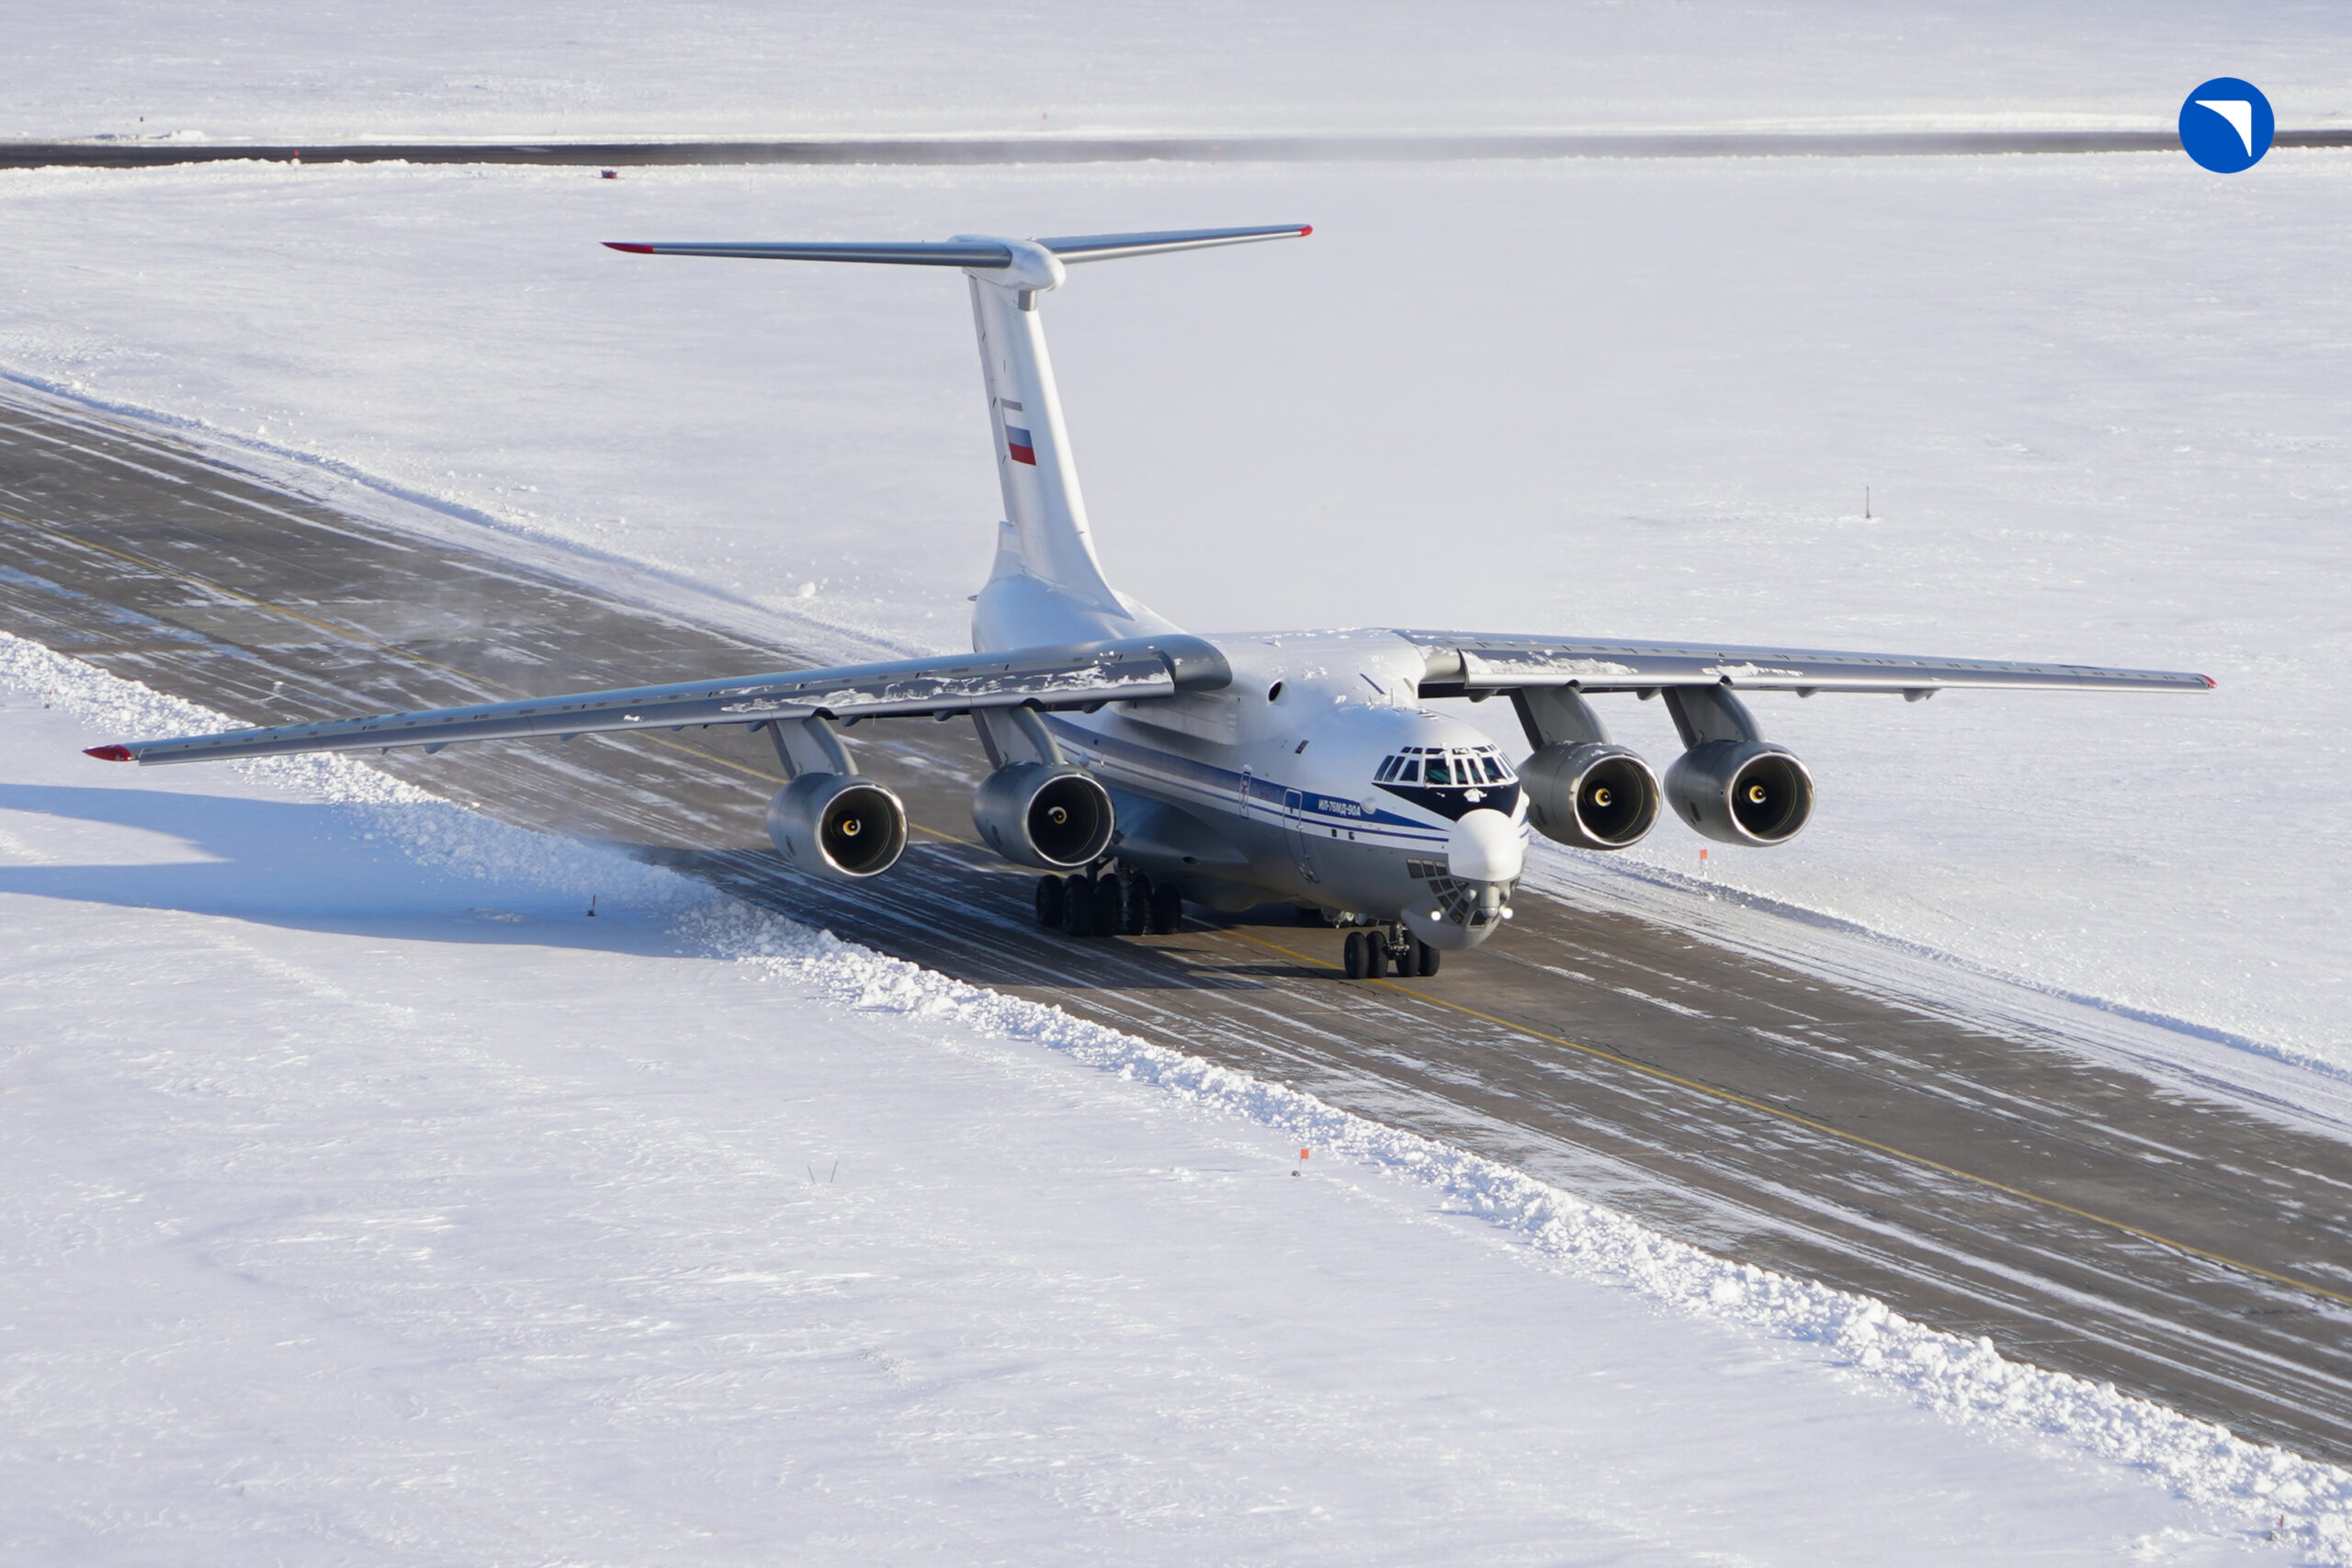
{"points": [[1371, 953]]}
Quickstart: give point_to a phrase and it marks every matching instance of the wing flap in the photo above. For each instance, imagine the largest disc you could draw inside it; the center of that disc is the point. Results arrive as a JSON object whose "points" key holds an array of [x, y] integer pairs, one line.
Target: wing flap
{"points": [[1475, 663], [1082, 676]]}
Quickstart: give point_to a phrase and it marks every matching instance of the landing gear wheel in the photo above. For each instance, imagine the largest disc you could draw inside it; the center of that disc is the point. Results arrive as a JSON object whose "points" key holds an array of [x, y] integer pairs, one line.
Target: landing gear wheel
{"points": [[1135, 916], [1078, 907], [1109, 900], [1167, 909], [1353, 957], [1049, 901], [1425, 957]]}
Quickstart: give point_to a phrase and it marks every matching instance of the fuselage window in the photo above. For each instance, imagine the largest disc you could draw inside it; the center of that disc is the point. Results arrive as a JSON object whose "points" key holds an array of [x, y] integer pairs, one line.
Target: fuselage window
{"points": [[1437, 771], [1387, 769], [1411, 772], [1494, 770]]}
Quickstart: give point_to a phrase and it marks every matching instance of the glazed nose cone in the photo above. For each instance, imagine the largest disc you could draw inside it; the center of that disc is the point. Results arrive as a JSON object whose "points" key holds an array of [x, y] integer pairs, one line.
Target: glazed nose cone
{"points": [[1484, 847]]}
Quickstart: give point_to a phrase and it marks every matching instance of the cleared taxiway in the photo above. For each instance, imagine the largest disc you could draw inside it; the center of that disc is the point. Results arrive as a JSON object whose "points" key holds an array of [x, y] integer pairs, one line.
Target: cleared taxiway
{"points": [[131, 153]]}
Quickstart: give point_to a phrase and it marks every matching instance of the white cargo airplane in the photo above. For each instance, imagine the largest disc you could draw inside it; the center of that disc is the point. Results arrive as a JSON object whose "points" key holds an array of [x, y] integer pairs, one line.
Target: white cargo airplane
{"points": [[1138, 766]]}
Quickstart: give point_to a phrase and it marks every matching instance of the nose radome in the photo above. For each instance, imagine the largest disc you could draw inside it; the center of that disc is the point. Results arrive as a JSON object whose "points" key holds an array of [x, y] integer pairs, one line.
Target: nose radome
{"points": [[1484, 847]]}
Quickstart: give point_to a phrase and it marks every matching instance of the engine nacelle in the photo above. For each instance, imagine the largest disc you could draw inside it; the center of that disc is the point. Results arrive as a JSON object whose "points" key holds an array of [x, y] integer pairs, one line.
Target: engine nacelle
{"points": [[1741, 792], [1592, 795], [838, 825], [1052, 816]]}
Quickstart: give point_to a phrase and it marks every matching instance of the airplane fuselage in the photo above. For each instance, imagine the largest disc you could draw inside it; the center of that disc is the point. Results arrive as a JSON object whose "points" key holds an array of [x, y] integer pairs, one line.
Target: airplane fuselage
{"points": [[1315, 778]]}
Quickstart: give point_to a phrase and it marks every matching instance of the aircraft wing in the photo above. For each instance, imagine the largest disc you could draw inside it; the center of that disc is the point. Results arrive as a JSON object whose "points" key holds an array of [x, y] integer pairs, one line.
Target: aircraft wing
{"points": [[1083, 676], [1462, 663]]}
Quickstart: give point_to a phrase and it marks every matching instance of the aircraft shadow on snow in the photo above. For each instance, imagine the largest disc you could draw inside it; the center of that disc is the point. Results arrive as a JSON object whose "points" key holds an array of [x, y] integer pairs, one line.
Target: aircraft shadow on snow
{"points": [[262, 863]]}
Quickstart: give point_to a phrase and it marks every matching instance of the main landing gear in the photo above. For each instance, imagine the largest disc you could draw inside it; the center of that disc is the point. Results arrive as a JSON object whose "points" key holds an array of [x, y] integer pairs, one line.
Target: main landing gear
{"points": [[1109, 905], [1371, 954]]}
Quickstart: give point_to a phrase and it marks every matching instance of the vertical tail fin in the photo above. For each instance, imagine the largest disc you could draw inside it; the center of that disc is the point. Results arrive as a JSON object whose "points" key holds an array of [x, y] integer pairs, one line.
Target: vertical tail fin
{"points": [[1043, 503], [1044, 512]]}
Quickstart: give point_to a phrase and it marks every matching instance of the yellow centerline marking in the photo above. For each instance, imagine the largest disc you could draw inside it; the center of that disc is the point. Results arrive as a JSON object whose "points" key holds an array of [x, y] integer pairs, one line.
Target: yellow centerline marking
{"points": [[1663, 1077], [1829, 1130]]}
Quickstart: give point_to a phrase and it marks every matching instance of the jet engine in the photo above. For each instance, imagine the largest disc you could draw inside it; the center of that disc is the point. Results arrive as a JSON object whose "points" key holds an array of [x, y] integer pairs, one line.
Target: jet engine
{"points": [[838, 825], [1591, 795], [1741, 792], [1051, 816]]}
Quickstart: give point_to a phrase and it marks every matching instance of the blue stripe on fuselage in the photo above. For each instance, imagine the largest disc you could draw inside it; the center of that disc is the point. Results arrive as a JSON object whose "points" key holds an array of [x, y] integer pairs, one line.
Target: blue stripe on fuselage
{"points": [[1225, 782]]}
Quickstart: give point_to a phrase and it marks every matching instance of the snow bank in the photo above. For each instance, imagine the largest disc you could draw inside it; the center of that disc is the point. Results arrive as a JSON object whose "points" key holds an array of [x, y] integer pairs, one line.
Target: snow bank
{"points": [[2252, 1486], [1969, 1382]]}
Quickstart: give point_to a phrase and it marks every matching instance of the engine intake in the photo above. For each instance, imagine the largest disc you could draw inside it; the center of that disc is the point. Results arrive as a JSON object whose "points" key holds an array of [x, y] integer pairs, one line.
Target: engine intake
{"points": [[838, 825], [1592, 795], [1053, 816], [1741, 792]]}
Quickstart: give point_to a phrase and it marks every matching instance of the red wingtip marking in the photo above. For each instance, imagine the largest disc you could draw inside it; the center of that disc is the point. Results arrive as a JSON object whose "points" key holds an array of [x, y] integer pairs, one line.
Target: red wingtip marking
{"points": [[2210, 682], [625, 246], [1304, 230], [110, 753]]}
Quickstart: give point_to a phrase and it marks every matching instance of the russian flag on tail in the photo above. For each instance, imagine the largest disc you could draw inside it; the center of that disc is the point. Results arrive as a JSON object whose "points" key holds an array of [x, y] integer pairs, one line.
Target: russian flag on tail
{"points": [[1017, 444]]}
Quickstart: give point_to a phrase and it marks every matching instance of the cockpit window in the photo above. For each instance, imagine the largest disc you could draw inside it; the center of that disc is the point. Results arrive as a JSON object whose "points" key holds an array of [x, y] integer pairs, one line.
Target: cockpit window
{"points": [[1418, 765]]}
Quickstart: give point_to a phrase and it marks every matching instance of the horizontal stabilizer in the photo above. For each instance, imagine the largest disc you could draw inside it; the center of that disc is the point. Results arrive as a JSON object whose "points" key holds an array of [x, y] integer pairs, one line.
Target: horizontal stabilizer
{"points": [[941, 252], [1113, 247], [978, 253]]}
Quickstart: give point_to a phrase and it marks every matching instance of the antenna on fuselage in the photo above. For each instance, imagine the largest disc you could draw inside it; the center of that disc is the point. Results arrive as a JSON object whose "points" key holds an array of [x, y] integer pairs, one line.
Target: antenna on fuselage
{"points": [[1033, 457]]}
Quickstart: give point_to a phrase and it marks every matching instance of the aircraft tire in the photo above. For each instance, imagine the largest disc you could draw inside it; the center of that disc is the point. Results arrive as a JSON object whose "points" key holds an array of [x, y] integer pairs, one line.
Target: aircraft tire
{"points": [[1167, 909], [1049, 901], [1425, 958], [1110, 905], [1078, 907], [1352, 956], [1135, 915]]}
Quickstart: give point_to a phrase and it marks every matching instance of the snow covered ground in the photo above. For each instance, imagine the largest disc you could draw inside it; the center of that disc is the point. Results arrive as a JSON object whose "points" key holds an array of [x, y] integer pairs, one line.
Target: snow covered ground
{"points": [[340, 70], [2098, 403], [364, 1200]]}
